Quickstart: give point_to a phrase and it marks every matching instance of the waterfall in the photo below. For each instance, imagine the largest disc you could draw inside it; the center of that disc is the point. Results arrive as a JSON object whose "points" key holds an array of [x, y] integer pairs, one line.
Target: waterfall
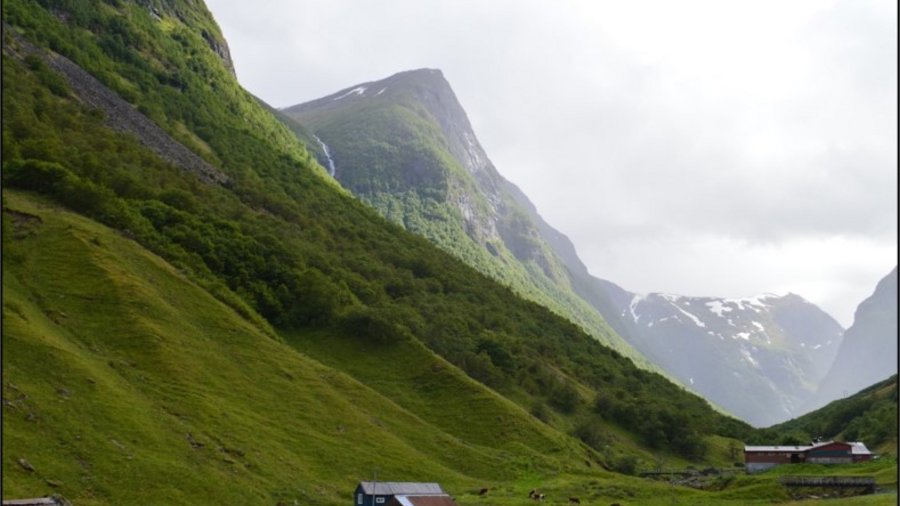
{"points": [[327, 155]]}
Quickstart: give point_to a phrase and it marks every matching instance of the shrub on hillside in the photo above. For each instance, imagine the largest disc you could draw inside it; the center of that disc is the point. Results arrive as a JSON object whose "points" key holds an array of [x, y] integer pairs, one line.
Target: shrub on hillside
{"points": [[592, 434]]}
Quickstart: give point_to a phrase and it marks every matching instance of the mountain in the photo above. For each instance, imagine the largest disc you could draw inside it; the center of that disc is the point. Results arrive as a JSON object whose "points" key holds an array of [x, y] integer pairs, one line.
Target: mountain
{"points": [[773, 349], [405, 146], [195, 312], [868, 352], [869, 415]]}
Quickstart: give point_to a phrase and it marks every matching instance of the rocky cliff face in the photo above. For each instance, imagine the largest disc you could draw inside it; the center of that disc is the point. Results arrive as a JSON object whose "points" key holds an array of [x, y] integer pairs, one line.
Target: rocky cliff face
{"points": [[868, 352]]}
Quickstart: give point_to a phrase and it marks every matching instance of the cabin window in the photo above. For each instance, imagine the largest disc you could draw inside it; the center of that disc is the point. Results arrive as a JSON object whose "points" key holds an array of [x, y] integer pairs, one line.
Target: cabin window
{"points": [[379, 500], [358, 498]]}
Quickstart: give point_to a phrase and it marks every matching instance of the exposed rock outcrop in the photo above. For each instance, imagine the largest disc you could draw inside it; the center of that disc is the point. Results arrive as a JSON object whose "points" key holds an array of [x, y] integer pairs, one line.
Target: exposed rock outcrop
{"points": [[122, 116]]}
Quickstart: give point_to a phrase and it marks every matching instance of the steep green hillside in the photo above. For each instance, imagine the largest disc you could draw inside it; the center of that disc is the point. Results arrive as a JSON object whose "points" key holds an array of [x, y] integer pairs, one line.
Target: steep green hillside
{"points": [[405, 146], [116, 368], [125, 383], [869, 416]]}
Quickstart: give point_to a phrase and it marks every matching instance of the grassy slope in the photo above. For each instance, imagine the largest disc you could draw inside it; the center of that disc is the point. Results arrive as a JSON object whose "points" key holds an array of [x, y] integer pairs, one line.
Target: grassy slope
{"points": [[136, 357], [133, 357]]}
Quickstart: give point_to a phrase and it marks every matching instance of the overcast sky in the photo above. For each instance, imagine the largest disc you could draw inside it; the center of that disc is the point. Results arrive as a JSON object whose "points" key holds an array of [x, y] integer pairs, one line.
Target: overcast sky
{"points": [[694, 147]]}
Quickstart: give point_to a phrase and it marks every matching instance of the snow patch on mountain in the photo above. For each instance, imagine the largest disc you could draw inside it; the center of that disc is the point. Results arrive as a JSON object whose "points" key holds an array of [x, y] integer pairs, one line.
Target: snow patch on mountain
{"points": [[633, 305], [359, 90], [693, 318], [717, 307]]}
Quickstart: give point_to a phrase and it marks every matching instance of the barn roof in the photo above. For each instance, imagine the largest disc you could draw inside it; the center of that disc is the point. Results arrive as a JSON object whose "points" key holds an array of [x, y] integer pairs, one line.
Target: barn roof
{"points": [[826, 443], [423, 500], [400, 487], [794, 449], [858, 448], [776, 448]]}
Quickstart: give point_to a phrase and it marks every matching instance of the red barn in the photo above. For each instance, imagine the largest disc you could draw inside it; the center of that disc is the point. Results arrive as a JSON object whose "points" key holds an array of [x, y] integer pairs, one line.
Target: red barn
{"points": [[830, 452], [758, 458]]}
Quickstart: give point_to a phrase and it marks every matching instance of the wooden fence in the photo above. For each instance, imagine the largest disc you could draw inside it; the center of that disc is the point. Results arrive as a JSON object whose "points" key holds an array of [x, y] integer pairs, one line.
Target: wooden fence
{"points": [[865, 482]]}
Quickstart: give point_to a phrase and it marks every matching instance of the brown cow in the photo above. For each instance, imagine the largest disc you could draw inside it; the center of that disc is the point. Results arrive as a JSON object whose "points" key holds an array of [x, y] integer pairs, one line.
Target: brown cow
{"points": [[483, 491], [574, 500]]}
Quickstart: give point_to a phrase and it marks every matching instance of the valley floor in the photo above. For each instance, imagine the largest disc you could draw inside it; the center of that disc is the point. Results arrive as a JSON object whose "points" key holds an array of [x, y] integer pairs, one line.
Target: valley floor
{"points": [[738, 489]]}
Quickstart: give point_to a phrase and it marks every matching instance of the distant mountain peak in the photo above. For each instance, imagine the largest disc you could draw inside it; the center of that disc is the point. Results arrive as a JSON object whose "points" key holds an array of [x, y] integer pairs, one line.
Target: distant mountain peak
{"points": [[769, 346], [409, 80], [399, 109]]}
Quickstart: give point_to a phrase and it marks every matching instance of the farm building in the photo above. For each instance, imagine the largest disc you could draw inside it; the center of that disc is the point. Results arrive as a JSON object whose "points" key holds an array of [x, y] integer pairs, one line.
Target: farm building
{"points": [[758, 458], [395, 493]]}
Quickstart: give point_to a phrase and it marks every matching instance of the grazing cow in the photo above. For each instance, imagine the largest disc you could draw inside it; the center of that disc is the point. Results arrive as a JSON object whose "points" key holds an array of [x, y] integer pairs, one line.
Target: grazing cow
{"points": [[538, 497], [574, 500], [483, 491], [532, 493]]}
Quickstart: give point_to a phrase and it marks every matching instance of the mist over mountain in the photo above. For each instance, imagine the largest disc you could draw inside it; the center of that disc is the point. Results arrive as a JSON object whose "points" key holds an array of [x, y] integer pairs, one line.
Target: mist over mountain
{"points": [[404, 145]]}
